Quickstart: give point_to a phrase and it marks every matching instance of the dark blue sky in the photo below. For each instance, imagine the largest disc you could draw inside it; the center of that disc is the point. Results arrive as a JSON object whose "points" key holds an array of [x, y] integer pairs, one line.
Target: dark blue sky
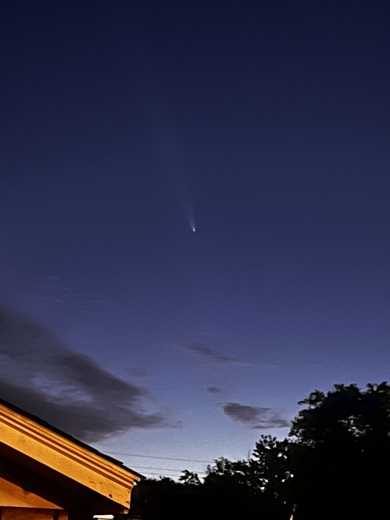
{"points": [[269, 127]]}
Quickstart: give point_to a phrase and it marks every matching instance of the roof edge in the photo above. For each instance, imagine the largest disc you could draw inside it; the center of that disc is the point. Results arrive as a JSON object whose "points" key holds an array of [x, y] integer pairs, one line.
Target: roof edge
{"points": [[66, 455]]}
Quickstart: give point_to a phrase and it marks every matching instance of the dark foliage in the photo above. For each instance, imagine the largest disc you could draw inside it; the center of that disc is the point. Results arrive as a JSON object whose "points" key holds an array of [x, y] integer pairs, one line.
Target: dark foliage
{"points": [[333, 466], [345, 438]]}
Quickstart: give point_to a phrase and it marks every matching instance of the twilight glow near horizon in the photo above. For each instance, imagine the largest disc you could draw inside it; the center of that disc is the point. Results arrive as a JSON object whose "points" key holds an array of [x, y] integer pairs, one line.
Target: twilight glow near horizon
{"points": [[194, 214]]}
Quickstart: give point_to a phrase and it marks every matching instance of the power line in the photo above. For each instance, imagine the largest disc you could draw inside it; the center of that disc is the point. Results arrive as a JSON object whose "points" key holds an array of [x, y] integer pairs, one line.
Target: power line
{"points": [[168, 474], [154, 467], [159, 474], [169, 470], [180, 459]]}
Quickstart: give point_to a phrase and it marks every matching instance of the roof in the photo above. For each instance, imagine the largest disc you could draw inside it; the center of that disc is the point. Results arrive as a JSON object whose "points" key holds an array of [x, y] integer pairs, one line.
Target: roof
{"points": [[36, 440], [49, 426]]}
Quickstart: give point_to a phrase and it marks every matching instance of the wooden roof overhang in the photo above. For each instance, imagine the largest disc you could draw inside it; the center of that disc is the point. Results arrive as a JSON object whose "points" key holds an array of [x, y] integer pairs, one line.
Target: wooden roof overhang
{"points": [[68, 470]]}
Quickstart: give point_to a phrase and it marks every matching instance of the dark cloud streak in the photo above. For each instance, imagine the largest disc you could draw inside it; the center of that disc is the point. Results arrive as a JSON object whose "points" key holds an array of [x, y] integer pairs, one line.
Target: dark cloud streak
{"points": [[257, 418], [213, 390], [65, 388], [211, 354]]}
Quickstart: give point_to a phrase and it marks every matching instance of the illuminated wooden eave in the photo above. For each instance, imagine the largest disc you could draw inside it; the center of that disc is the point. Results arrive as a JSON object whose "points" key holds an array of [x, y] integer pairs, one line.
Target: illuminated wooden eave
{"points": [[67, 457]]}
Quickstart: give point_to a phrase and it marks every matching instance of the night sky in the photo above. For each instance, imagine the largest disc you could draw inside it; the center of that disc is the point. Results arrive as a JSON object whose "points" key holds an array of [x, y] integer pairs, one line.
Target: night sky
{"points": [[123, 130]]}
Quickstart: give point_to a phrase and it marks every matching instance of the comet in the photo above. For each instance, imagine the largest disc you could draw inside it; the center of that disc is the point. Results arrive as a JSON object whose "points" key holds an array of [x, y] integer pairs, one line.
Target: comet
{"points": [[191, 218], [171, 161]]}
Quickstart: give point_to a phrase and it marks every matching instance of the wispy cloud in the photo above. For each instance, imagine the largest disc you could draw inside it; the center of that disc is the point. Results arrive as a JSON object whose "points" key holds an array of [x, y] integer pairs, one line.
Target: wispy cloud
{"points": [[214, 389], [256, 417], [70, 390], [211, 354]]}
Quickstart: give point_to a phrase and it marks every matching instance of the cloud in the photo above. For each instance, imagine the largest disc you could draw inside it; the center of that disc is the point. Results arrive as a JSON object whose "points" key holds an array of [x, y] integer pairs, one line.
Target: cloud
{"points": [[257, 418], [213, 390], [67, 389], [213, 355]]}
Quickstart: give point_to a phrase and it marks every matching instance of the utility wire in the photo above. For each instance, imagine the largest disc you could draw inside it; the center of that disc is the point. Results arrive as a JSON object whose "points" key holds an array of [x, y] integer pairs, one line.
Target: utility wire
{"points": [[180, 459], [155, 467], [159, 474], [168, 474]]}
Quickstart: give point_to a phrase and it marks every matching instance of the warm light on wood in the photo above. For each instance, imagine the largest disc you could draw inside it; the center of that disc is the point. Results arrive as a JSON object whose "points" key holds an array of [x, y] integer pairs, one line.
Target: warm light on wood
{"points": [[87, 470]]}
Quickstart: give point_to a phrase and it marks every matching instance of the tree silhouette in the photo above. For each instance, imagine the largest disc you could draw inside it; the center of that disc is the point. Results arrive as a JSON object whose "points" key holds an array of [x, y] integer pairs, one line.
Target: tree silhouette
{"points": [[272, 466], [334, 465], [189, 478], [234, 490], [345, 437]]}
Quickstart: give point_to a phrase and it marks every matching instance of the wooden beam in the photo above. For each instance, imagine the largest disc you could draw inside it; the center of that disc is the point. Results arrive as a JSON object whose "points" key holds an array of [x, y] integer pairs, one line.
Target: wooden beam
{"points": [[12, 495], [68, 458]]}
